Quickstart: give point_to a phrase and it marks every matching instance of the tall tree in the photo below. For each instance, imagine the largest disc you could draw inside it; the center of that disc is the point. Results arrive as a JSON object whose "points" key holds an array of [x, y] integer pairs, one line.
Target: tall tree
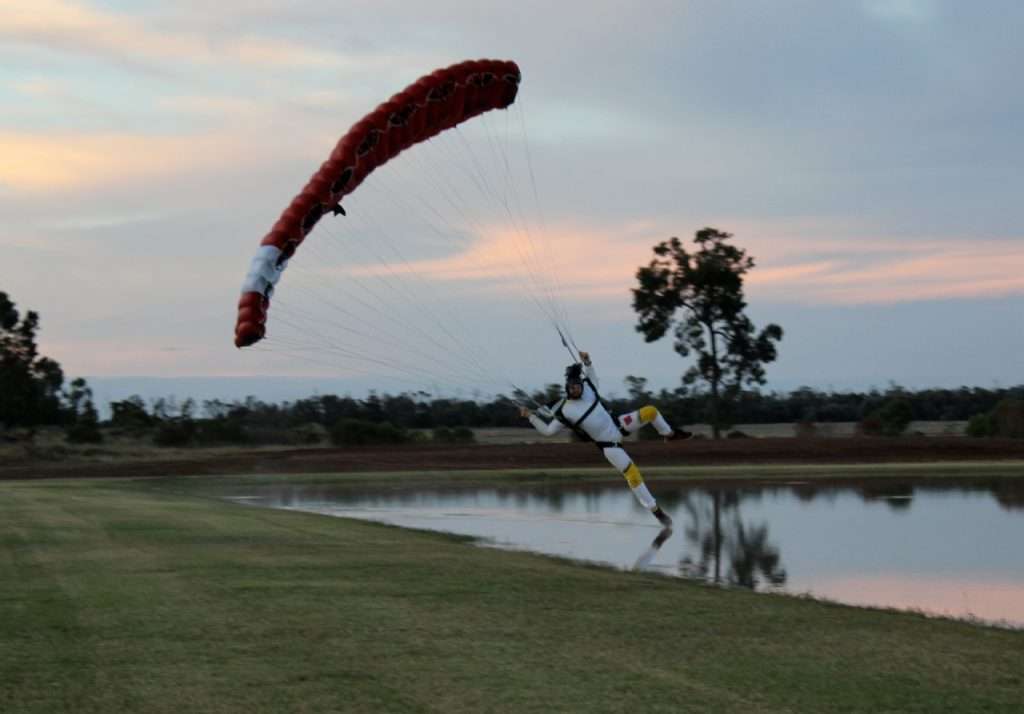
{"points": [[29, 384], [83, 425], [700, 294]]}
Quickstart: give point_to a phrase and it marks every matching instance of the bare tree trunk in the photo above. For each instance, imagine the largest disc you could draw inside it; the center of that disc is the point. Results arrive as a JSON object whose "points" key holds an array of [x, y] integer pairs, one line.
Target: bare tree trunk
{"points": [[715, 431], [717, 500]]}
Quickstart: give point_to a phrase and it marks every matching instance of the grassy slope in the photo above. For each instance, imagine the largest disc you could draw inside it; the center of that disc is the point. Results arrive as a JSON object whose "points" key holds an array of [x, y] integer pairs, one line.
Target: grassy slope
{"points": [[119, 597]]}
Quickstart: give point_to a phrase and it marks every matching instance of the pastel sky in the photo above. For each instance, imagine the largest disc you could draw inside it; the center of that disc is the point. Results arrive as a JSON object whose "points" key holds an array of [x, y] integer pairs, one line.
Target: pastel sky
{"points": [[866, 153]]}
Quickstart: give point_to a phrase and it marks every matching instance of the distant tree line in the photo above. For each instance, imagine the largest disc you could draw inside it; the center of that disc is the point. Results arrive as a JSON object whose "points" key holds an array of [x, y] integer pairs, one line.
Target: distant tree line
{"points": [[33, 394], [383, 418]]}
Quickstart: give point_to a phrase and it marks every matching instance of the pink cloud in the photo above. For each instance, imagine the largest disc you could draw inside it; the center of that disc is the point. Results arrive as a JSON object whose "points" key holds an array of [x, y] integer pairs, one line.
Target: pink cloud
{"points": [[43, 162], [576, 261], [37, 162], [590, 264], [76, 27], [915, 270], [819, 259]]}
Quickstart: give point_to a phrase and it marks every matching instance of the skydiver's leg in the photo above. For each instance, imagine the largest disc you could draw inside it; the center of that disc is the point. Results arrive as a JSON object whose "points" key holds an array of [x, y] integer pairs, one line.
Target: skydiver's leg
{"points": [[634, 421], [618, 458]]}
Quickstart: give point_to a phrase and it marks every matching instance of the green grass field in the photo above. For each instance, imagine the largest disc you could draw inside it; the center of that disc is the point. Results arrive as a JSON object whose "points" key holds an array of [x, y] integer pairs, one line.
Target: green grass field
{"points": [[150, 596]]}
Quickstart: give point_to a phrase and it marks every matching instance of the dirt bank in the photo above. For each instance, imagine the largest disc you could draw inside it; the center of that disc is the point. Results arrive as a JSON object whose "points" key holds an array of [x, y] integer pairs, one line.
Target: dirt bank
{"points": [[699, 452]]}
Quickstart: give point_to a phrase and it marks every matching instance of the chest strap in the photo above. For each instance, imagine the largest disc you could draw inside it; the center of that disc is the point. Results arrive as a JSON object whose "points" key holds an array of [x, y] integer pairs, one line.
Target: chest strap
{"points": [[575, 426]]}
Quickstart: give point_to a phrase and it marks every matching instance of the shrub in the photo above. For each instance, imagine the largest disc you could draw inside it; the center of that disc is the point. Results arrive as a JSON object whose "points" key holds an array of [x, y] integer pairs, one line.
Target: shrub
{"points": [[805, 429], [84, 432], [458, 435], [85, 429], [307, 434], [891, 419], [221, 431], [175, 432], [130, 416], [1008, 417], [356, 432], [981, 425]]}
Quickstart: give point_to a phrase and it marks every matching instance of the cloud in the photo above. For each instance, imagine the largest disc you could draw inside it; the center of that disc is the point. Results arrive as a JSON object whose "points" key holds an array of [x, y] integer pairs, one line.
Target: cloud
{"points": [[48, 162], [578, 261], [877, 270], [586, 264], [932, 272], [79, 29]]}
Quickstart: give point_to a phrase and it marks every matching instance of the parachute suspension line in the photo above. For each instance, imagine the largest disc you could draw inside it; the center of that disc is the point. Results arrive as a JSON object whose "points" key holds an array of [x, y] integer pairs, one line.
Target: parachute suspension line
{"points": [[541, 263], [322, 351], [561, 320], [307, 325], [551, 282], [517, 217], [326, 343], [522, 398], [529, 258], [413, 379], [468, 349], [410, 327], [376, 327], [539, 208], [448, 189], [522, 226], [533, 271], [521, 115], [575, 356], [326, 340]]}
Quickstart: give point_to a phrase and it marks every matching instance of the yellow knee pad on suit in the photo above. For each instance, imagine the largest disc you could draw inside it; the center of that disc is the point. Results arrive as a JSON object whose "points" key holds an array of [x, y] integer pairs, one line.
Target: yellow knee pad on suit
{"points": [[648, 414], [633, 477]]}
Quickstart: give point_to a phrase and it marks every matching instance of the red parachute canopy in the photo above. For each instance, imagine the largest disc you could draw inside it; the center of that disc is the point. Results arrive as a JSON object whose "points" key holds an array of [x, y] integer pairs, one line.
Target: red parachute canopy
{"points": [[425, 108]]}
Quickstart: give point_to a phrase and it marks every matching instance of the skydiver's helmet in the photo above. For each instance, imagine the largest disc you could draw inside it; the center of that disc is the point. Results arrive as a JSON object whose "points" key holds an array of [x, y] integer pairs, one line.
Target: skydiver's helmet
{"points": [[574, 381]]}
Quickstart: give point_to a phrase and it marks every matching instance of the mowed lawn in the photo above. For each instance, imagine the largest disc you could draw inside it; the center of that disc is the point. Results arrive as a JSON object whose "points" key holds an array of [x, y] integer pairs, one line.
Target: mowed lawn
{"points": [[121, 597]]}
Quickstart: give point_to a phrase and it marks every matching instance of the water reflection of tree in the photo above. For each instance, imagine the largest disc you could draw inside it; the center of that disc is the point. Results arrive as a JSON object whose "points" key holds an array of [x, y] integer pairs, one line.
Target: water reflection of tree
{"points": [[1008, 494], [897, 496], [725, 542]]}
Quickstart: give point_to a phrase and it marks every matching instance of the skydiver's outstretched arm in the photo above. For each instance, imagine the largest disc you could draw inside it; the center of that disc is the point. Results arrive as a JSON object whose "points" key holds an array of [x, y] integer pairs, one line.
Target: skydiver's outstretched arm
{"points": [[549, 428], [588, 369]]}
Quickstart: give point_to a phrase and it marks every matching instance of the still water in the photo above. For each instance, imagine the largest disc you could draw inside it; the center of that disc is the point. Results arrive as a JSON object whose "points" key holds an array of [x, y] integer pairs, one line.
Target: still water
{"points": [[955, 550]]}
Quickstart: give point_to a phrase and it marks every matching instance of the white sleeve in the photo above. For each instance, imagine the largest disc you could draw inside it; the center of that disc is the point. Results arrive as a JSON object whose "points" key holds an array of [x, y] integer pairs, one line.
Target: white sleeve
{"points": [[591, 374], [549, 428]]}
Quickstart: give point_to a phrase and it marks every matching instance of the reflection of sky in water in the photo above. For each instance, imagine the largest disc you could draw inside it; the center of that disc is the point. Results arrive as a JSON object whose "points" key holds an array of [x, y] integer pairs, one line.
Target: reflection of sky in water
{"points": [[939, 549]]}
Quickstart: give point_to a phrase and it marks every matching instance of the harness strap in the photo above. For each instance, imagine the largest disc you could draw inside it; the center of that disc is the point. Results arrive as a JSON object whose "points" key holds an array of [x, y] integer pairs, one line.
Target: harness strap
{"points": [[575, 426]]}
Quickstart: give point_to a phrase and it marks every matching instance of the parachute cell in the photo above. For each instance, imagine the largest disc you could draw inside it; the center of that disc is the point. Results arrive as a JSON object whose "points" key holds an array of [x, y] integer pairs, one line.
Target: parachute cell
{"points": [[432, 104]]}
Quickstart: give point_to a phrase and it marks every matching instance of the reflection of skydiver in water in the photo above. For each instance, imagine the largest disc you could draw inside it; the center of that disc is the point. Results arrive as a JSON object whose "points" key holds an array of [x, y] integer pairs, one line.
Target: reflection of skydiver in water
{"points": [[582, 411], [647, 556]]}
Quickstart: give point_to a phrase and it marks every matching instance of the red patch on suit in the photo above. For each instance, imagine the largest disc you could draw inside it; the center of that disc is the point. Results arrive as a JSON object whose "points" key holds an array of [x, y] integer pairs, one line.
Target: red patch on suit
{"points": [[627, 420]]}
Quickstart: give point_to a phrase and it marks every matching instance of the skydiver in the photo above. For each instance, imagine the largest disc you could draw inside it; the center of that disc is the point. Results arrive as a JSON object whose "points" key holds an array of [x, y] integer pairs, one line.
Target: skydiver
{"points": [[582, 411]]}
